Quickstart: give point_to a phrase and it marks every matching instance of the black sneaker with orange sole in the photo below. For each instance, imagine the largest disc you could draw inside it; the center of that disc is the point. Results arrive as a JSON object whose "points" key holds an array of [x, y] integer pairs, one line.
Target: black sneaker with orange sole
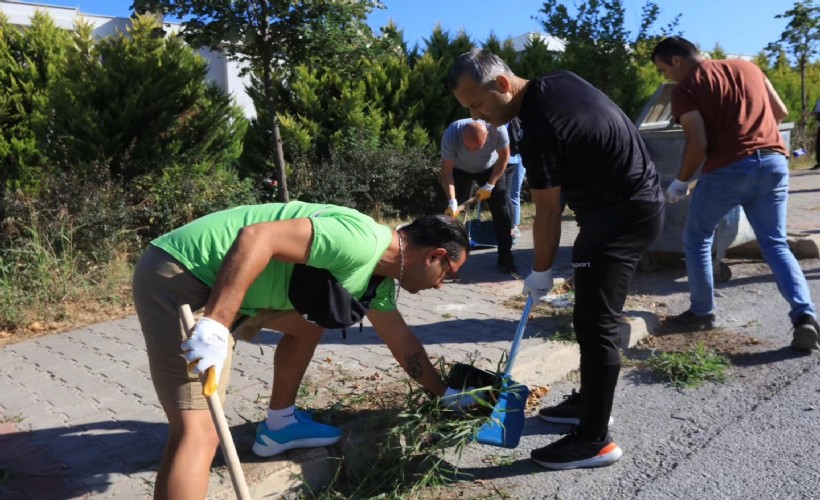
{"points": [[567, 412], [574, 452]]}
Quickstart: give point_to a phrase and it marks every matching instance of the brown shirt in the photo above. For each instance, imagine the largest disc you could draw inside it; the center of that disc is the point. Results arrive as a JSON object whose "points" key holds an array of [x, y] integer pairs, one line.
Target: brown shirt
{"points": [[731, 97]]}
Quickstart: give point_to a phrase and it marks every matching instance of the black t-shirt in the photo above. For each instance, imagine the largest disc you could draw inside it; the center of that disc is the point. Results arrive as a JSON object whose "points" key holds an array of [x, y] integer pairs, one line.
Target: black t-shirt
{"points": [[574, 136], [514, 131]]}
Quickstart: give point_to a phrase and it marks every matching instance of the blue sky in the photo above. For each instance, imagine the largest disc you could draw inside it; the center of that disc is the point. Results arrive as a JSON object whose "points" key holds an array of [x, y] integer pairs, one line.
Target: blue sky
{"points": [[740, 26]]}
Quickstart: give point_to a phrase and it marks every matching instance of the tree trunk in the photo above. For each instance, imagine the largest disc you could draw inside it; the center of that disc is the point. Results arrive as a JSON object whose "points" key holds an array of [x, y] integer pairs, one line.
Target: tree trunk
{"points": [[804, 115], [281, 174]]}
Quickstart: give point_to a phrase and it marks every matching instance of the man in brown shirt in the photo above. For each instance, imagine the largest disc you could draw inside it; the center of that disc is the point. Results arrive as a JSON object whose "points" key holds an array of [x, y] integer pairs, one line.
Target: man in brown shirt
{"points": [[730, 114]]}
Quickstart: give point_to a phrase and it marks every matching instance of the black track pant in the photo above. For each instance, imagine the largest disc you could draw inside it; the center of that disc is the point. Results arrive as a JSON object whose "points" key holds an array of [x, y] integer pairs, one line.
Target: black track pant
{"points": [[605, 256], [500, 204]]}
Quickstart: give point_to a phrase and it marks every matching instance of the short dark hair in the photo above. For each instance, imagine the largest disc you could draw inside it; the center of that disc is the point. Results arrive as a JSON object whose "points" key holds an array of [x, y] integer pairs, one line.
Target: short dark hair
{"points": [[438, 231], [673, 46], [479, 64]]}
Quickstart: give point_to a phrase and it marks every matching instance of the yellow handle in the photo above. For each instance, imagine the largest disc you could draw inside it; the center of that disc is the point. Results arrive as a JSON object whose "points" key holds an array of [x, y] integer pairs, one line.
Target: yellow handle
{"points": [[208, 379], [210, 385]]}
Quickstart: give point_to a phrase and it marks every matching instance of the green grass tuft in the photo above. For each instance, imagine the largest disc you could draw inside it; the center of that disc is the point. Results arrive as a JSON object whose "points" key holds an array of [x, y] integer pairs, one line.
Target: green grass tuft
{"points": [[689, 368]]}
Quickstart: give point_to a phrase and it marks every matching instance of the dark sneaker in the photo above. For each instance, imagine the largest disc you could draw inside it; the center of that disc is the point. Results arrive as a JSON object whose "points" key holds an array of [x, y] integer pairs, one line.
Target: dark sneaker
{"points": [[806, 334], [506, 265], [815, 167], [691, 321], [567, 412], [573, 452]]}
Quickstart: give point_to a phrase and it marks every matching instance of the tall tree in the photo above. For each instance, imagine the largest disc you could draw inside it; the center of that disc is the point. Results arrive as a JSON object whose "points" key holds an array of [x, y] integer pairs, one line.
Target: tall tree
{"points": [[506, 50], [270, 36], [138, 104], [535, 60], [802, 38], [30, 63], [718, 52], [599, 48], [428, 80]]}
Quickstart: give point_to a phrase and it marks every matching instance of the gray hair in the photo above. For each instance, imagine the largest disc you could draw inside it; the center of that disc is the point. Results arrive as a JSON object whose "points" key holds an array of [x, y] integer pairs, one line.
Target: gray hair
{"points": [[479, 64]]}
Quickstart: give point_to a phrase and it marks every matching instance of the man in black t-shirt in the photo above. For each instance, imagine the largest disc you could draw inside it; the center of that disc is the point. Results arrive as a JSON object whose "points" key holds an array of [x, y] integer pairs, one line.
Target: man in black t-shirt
{"points": [[575, 141]]}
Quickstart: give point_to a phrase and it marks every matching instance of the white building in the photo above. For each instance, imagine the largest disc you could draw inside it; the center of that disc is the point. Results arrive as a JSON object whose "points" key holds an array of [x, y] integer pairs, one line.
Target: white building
{"points": [[553, 44], [221, 71]]}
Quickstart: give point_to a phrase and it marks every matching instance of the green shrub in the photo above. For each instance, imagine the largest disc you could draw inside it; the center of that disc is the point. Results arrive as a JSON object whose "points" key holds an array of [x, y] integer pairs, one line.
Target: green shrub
{"points": [[139, 104], [163, 201], [30, 62], [383, 181], [87, 205]]}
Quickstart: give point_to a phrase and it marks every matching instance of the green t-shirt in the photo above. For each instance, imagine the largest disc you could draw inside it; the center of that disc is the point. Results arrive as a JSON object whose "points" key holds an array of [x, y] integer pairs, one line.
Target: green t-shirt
{"points": [[345, 242]]}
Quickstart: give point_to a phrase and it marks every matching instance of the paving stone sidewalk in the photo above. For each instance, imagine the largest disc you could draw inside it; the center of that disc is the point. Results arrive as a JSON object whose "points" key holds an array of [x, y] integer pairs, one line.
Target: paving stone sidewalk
{"points": [[80, 418]]}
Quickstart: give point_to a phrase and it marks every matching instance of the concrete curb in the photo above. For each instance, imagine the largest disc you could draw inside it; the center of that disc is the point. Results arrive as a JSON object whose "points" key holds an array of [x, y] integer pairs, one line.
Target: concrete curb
{"points": [[544, 362], [283, 478]]}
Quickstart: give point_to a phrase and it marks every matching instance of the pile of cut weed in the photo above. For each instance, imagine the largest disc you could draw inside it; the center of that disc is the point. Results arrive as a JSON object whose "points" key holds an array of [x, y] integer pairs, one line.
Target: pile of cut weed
{"points": [[396, 448]]}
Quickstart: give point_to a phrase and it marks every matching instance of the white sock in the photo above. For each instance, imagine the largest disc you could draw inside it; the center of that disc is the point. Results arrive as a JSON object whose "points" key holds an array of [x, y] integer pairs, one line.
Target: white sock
{"points": [[278, 419]]}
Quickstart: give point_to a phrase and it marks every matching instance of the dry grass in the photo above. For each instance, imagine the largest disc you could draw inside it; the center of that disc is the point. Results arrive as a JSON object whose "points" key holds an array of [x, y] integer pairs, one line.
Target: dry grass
{"points": [[101, 294], [805, 162]]}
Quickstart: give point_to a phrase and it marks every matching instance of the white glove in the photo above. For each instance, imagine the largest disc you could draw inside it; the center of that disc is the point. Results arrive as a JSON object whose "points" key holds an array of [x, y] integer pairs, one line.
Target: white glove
{"points": [[538, 284], [207, 347], [452, 208], [454, 399], [676, 191], [485, 191]]}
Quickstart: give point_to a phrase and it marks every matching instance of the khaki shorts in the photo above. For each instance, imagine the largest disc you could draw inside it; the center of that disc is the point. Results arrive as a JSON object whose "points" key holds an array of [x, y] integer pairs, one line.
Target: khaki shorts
{"points": [[160, 285]]}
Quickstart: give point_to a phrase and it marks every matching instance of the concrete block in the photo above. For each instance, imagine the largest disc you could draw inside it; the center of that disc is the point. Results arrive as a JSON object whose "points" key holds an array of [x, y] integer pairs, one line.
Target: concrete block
{"points": [[637, 326], [803, 246], [544, 362], [281, 478], [806, 247]]}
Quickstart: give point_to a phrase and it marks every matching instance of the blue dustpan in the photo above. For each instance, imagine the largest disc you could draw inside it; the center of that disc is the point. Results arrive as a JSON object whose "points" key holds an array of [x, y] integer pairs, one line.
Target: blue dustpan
{"points": [[507, 419], [481, 233]]}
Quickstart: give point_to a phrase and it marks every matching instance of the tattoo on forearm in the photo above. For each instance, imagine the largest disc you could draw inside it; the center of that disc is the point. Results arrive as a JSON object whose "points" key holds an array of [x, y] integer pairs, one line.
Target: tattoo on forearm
{"points": [[413, 361]]}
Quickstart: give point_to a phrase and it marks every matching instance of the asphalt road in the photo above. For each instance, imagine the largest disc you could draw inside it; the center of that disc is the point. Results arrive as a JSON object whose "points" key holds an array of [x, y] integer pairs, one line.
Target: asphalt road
{"points": [[757, 435]]}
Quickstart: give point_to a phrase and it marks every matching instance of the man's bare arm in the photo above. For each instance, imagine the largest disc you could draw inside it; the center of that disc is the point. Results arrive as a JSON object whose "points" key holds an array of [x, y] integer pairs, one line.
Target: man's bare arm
{"points": [[254, 247], [694, 152], [779, 108], [407, 349]]}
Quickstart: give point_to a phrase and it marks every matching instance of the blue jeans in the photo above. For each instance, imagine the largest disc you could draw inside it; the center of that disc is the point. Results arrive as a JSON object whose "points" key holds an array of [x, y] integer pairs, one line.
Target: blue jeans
{"points": [[760, 184], [515, 190]]}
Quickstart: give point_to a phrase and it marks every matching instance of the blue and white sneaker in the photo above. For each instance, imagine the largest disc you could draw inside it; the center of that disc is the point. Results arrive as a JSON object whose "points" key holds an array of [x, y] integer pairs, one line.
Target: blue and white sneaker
{"points": [[305, 433]]}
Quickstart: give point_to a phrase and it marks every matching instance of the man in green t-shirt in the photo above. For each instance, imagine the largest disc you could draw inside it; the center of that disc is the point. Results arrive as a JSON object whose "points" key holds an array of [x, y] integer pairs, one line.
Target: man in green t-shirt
{"points": [[295, 268]]}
